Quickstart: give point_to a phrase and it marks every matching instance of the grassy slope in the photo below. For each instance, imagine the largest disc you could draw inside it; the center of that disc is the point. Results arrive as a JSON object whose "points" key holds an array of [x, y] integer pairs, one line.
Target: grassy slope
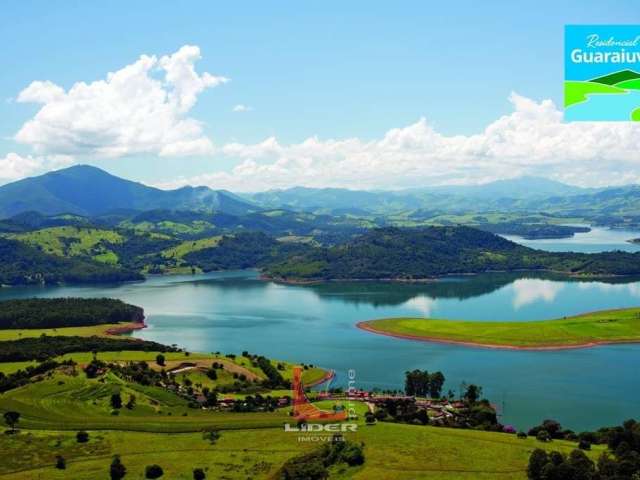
{"points": [[391, 450], [73, 241], [189, 246], [71, 403], [595, 327], [253, 445], [98, 330]]}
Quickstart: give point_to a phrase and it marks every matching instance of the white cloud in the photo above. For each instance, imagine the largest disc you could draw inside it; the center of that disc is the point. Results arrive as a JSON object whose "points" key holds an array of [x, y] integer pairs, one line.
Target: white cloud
{"points": [[531, 290], [130, 112], [241, 108], [422, 304], [531, 140], [14, 166]]}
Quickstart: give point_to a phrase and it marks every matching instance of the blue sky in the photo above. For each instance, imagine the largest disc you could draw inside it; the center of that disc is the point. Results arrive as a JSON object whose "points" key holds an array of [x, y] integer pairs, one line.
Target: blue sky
{"points": [[332, 69]]}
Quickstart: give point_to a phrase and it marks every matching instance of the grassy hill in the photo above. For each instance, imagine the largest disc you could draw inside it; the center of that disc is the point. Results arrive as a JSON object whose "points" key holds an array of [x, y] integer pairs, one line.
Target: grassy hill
{"points": [[163, 427], [21, 264], [71, 241]]}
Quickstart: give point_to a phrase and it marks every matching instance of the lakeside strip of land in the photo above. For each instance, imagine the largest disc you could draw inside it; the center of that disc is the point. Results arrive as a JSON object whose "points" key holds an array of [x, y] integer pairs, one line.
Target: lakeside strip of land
{"points": [[581, 331]]}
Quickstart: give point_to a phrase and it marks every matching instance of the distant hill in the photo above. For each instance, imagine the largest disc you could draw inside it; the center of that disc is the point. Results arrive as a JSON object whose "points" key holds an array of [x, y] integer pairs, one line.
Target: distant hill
{"points": [[86, 190], [337, 201], [419, 254], [501, 194], [517, 188]]}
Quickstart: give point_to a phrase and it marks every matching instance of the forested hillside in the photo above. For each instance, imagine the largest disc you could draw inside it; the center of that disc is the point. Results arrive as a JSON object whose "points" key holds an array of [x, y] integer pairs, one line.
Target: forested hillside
{"points": [[414, 254], [21, 264]]}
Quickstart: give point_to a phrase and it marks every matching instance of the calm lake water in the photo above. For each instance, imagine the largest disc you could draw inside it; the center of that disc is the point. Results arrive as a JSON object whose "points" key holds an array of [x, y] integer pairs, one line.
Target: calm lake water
{"points": [[235, 311], [599, 239]]}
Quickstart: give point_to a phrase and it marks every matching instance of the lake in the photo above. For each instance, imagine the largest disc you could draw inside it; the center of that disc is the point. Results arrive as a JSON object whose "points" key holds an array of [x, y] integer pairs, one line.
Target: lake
{"points": [[599, 239], [235, 311]]}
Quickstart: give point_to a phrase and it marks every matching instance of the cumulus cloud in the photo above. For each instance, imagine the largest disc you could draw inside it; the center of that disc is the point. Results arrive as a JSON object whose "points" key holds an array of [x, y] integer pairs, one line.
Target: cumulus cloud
{"points": [[14, 166], [141, 108], [531, 140], [241, 108]]}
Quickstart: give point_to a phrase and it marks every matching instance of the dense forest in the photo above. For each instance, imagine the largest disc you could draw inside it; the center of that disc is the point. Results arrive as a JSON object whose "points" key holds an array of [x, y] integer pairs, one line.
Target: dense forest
{"points": [[66, 312], [21, 264], [532, 231], [413, 254], [244, 250]]}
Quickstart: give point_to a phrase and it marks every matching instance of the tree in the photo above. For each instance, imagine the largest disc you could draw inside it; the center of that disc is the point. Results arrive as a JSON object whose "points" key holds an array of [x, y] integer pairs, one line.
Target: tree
{"points": [[212, 436], [583, 466], [198, 474], [417, 383], [160, 360], [131, 403], [436, 382], [537, 461], [584, 445], [116, 401], [212, 399], [352, 454], [153, 471], [543, 436], [11, 419], [82, 437], [369, 418], [117, 470], [472, 394]]}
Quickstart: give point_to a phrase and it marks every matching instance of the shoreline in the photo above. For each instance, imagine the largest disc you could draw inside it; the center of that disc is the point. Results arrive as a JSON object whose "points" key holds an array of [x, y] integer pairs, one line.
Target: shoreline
{"points": [[329, 375], [493, 346], [126, 328], [566, 275]]}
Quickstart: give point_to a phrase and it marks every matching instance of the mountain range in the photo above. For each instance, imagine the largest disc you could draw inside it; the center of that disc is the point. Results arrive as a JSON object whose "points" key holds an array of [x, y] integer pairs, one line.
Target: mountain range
{"points": [[90, 191]]}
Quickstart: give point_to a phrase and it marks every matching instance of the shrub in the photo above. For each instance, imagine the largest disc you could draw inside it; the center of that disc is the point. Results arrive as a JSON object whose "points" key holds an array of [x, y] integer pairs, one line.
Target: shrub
{"points": [[522, 434], [153, 471], [61, 463], [117, 470], [198, 474], [82, 437], [212, 436], [116, 401], [352, 454], [543, 436], [584, 445]]}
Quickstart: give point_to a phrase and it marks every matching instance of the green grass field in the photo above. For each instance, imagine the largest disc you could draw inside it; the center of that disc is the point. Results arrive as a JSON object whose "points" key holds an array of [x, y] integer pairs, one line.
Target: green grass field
{"points": [[392, 451], [162, 429], [609, 326], [98, 330], [189, 246]]}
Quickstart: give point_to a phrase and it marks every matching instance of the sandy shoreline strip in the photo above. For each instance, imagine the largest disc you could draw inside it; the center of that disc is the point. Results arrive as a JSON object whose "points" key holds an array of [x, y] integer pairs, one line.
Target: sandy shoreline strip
{"points": [[419, 338]]}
